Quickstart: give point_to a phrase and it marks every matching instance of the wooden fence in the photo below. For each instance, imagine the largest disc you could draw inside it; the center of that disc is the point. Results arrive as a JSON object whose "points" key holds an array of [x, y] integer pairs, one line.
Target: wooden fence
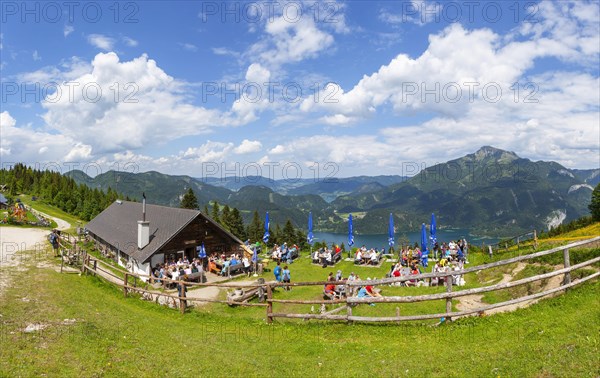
{"points": [[124, 280]]}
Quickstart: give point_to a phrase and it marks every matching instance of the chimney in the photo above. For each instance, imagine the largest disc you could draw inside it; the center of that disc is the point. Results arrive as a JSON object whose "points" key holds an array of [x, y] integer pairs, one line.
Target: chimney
{"points": [[143, 226]]}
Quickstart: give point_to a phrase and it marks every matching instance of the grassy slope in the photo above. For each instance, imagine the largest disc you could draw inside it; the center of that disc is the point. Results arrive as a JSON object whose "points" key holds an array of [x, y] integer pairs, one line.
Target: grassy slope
{"points": [[52, 211], [114, 336]]}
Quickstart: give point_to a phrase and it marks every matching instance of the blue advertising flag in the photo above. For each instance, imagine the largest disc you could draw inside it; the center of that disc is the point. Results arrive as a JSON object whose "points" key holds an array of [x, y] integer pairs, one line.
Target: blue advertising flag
{"points": [[433, 230], [310, 237], [424, 251], [254, 255], [201, 251], [391, 239], [350, 231], [266, 235], [423, 239]]}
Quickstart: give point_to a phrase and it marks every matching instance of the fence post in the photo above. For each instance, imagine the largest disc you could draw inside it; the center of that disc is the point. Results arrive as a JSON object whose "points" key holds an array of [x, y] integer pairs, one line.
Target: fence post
{"points": [[83, 257], [181, 292], [348, 310], [269, 304], [448, 300], [567, 264], [95, 266], [125, 284]]}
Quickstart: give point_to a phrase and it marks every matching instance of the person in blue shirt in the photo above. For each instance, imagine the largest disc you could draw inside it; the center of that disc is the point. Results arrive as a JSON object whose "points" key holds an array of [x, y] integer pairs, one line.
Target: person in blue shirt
{"points": [[287, 277], [277, 272], [225, 269]]}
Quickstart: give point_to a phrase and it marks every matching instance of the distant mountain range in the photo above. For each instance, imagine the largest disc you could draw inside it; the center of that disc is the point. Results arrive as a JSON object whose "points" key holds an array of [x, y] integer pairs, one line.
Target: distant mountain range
{"points": [[491, 191], [328, 188]]}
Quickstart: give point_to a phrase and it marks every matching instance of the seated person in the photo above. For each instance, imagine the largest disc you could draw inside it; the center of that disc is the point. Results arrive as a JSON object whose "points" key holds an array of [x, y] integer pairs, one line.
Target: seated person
{"points": [[328, 257], [246, 263], [225, 269], [371, 291], [212, 266], [234, 261], [396, 270], [329, 291], [374, 258], [315, 257], [194, 268], [358, 258]]}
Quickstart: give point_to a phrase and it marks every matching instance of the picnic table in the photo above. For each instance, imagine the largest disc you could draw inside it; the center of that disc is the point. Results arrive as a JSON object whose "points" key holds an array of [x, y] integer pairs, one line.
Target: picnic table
{"points": [[197, 277]]}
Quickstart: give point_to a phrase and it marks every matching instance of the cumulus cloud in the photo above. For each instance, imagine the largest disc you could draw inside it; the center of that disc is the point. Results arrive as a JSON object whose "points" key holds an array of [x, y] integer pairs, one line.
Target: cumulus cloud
{"points": [[23, 143], [147, 107], [248, 146], [101, 41]]}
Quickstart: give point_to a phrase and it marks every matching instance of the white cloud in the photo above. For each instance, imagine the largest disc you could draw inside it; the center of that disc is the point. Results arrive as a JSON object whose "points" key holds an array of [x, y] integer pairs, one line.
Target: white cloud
{"points": [[130, 42], [189, 47], [418, 12], [101, 41], [68, 29], [248, 146], [225, 51], [36, 56], [336, 119], [22, 143], [67, 70], [258, 74], [289, 42], [152, 109]]}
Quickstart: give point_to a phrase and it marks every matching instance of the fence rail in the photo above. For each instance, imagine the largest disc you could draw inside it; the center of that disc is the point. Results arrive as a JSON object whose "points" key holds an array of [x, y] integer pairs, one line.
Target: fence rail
{"points": [[93, 265]]}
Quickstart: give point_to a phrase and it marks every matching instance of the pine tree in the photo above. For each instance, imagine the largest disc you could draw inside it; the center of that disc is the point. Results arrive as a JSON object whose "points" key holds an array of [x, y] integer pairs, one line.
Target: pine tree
{"points": [[225, 219], [215, 212], [277, 235], [206, 210], [255, 228], [189, 200], [289, 233], [594, 205], [237, 224]]}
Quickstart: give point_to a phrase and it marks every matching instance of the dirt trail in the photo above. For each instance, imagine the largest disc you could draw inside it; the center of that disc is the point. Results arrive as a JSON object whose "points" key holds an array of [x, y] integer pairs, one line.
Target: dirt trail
{"points": [[470, 302], [14, 241]]}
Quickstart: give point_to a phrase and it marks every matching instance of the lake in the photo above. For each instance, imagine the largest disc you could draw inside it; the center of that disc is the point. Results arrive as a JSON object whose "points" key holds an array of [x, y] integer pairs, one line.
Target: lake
{"points": [[381, 240]]}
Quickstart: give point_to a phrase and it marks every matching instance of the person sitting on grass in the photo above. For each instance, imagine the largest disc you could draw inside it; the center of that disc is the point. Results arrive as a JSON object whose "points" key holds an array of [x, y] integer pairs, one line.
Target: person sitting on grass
{"points": [[367, 291]]}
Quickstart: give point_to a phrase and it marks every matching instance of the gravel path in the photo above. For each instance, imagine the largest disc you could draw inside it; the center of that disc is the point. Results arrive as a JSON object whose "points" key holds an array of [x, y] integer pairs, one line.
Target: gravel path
{"points": [[16, 240]]}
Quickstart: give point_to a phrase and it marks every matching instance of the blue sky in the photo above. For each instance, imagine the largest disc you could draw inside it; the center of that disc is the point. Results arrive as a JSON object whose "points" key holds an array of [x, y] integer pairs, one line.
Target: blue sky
{"points": [[364, 87]]}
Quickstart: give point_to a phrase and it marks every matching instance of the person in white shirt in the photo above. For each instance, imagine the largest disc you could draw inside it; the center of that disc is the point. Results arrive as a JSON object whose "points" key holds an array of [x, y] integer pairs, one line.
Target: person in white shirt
{"points": [[358, 258]]}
